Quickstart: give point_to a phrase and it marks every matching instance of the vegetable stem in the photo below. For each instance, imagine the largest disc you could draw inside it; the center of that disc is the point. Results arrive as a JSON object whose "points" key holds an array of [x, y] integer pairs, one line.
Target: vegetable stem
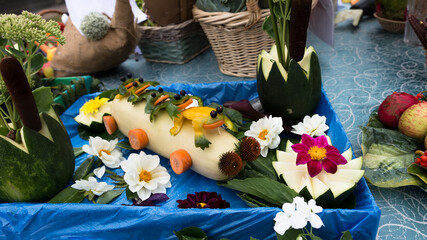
{"points": [[276, 32]]}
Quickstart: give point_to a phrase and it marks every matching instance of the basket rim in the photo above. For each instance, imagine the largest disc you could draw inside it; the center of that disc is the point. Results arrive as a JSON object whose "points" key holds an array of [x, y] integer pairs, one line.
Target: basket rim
{"points": [[377, 16], [168, 27]]}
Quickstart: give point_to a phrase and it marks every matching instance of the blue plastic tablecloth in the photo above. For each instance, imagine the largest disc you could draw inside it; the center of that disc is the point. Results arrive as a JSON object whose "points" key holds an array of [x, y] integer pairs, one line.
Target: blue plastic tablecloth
{"points": [[117, 221]]}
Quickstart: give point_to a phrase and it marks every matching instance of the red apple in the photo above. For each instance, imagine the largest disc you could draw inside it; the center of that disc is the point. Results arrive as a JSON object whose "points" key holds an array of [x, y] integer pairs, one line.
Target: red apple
{"points": [[393, 106], [413, 122]]}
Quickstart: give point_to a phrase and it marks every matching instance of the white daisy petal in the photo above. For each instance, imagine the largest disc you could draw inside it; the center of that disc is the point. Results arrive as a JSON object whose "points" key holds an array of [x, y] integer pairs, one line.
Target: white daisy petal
{"points": [[144, 194], [99, 172]]}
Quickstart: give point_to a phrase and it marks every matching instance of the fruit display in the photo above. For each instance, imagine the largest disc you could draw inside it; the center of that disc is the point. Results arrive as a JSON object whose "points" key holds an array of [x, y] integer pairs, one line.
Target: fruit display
{"points": [[393, 106], [413, 122]]}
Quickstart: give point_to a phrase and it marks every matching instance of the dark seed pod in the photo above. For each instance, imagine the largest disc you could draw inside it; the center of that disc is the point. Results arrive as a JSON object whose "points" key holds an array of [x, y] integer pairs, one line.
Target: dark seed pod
{"points": [[219, 109], [249, 149], [20, 92], [214, 114], [300, 16], [129, 75], [182, 92], [11, 134], [177, 96], [135, 84], [122, 78], [153, 94], [141, 80], [230, 163], [160, 90]]}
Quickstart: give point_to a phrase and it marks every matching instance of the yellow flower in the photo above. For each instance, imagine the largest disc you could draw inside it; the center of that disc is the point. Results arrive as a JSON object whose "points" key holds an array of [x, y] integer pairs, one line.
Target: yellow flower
{"points": [[93, 105]]}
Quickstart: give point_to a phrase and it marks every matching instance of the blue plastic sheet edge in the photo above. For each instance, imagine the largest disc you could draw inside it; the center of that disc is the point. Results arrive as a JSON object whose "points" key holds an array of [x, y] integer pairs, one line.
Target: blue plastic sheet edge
{"points": [[113, 221]]}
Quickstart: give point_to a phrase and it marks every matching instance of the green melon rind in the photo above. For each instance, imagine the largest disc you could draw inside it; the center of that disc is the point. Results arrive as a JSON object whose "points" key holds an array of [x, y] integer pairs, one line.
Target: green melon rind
{"points": [[43, 172], [293, 97]]}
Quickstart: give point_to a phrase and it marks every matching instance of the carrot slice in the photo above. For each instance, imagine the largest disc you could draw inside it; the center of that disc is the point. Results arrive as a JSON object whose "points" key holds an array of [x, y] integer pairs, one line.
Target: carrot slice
{"points": [[129, 85], [140, 90], [110, 124], [160, 99], [213, 125], [185, 104], [180, 161], [138, 138]]}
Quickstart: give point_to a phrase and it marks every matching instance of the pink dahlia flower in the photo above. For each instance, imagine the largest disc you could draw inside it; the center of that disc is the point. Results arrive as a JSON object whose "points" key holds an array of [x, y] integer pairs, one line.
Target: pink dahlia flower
{"points": [[318, 155]]}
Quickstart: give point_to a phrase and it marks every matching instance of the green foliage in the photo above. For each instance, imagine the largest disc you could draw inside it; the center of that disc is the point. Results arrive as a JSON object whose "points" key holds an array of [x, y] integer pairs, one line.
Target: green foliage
{"points": [[191, 233], [221, 5], [387, 154]]}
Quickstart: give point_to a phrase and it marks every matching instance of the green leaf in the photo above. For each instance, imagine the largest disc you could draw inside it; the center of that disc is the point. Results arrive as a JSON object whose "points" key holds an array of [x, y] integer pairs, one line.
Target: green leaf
{"points": [[85, 133], [261, 167], [84, 169], [267, 27], [3, 130], [16, 53], [78, 151], [44, 98], [290, 234], [191, 233], [37, 62], [125, 145], [109, 196], [5, 53], [346, 236], [312, 237], [130, 195], [68, 195], [271, 191], [108, 94], [253, 201], [172, 110], [3, 42], [387, 154], [418, 171]]}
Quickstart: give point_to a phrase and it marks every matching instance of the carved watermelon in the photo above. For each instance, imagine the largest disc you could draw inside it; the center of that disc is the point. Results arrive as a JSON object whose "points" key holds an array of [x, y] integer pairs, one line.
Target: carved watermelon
{"points": [[290, 94], [39, 167]]}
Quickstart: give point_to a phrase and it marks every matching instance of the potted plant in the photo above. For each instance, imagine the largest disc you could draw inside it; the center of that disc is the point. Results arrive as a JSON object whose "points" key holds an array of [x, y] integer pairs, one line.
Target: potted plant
{"points": [[391, 14], [288, 77]]}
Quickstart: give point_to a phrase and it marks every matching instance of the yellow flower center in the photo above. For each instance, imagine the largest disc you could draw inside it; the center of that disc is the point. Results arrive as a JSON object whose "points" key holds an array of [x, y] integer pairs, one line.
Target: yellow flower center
{"points": [[145, 176], [262, 134], [317, 153], [105, 151], [93, 105], [202, 204]]}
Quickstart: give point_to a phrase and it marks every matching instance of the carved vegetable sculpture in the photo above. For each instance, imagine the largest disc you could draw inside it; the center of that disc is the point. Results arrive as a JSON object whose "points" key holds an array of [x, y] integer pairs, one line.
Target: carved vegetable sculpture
{"points": [[288, 78], [38, 163], [189, 137]]}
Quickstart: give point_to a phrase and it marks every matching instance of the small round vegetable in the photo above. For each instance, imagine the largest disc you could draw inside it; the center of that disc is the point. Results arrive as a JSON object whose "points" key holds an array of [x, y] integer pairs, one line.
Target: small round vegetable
{"points": [[110, 124], [122, 78], [160, 90], [138, 138], [177, 96], [219, 109], [141, 80], [135, 84], [214, 114], [182, 92], [180, 161], [153, 94], [129, 75]]}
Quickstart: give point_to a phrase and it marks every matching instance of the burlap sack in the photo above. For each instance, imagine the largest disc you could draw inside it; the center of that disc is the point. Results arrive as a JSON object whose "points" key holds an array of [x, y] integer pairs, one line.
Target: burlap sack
{"points": [[80, 56]]}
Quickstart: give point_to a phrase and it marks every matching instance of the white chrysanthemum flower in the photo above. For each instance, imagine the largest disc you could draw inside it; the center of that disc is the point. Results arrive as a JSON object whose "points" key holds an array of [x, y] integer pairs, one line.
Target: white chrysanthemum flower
{"points": [[145, 175], [313, 126], [99, 172], [104, 150], [266, 130], [93, 186]]}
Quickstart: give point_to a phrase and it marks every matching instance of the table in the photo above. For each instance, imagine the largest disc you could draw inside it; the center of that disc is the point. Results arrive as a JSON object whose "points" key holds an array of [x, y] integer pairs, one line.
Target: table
{"points": [[366, 64]]}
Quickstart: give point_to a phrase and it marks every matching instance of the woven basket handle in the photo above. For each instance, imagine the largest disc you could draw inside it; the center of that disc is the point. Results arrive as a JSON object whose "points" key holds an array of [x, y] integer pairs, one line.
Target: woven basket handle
{"points": [[254, 12]]}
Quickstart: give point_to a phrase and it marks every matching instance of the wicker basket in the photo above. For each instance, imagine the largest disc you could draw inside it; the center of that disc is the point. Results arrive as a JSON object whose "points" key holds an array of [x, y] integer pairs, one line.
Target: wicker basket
{"points": [[389, 25], [237, 38], [175, 44]]}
